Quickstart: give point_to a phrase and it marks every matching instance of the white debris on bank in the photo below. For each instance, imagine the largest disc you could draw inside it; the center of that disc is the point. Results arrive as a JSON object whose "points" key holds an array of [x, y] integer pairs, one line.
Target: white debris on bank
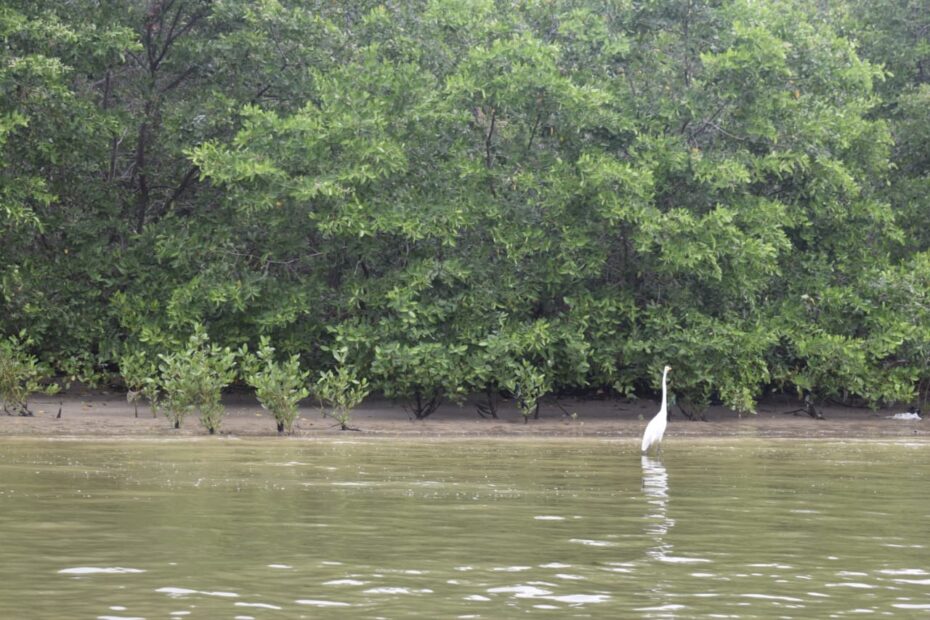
{"points": [[906, 416]]}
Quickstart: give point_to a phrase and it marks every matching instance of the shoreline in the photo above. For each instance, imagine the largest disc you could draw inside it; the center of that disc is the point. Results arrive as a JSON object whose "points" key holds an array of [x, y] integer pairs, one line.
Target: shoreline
{"points": [[91, 415]]}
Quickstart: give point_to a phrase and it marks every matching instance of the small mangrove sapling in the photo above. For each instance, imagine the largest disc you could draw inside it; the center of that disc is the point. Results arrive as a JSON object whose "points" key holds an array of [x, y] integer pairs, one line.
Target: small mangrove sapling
{"points": [[528, 384], [340, 391], [279, 386], [140, 374], [194, 378], [21, 374]]}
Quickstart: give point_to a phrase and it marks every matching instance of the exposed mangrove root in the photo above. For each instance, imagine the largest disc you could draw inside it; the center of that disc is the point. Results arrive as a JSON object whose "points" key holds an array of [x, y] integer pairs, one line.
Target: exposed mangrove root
{"points": [[422, 406], [690, 411], [346, 427], [488, 409], [809, 408], [19, 409], [565, 412]]}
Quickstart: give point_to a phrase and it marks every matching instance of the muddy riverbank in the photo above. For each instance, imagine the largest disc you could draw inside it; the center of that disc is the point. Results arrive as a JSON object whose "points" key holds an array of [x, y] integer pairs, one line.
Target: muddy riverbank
{"points": [[89, 413]]}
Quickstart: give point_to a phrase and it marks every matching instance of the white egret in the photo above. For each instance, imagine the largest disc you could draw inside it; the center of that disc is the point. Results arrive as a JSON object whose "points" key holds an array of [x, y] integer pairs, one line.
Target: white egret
{"points": [[656, 427]]}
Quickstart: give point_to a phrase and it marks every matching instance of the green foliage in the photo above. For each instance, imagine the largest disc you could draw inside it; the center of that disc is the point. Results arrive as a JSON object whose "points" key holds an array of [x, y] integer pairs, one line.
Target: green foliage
{"points": [[453, 190], [21, 374], [421, 374], [140, 374], [528, 385], [341, 390], [279, 386], [59, 228], [193, 378]]}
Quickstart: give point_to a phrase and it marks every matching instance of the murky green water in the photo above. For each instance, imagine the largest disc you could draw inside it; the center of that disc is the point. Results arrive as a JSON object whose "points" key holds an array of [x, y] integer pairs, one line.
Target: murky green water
{"points": [[463, 529]]}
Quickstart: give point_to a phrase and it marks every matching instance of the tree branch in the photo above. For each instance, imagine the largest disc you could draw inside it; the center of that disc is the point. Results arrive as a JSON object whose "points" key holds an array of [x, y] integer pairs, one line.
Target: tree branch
{"points": [[185, 183], [529, 143], [177, 81], [487, 139]]}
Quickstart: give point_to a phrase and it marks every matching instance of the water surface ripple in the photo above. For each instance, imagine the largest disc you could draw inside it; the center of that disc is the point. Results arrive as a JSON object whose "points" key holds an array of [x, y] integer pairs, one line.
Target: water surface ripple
{"points": [[463, 529]]}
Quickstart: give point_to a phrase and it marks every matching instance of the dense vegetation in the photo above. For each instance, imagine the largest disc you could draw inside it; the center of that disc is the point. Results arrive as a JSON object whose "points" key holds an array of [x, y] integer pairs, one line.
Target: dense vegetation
{"points": [[435, 197]]}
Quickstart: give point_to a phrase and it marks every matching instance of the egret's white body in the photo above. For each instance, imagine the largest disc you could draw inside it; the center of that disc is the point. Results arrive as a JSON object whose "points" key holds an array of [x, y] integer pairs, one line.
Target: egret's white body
{"points": [[656, 427]]}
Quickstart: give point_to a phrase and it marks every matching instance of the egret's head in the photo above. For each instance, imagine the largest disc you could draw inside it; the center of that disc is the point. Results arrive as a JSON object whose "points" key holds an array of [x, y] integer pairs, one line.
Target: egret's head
{"points": [[666, 369]]}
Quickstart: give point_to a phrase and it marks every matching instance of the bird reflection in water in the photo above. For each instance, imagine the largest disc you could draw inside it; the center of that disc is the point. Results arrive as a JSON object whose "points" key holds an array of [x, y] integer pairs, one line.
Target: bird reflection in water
{"points": [[658, 523]]}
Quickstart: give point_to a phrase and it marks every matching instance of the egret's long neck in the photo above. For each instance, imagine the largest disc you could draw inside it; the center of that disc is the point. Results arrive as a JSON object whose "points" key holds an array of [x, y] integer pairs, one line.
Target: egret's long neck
{"points": [[664, 392]]}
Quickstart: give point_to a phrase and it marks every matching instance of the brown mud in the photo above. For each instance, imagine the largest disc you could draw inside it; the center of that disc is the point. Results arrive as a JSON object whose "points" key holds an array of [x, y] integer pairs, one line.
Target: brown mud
{"points": [[102, 414]]}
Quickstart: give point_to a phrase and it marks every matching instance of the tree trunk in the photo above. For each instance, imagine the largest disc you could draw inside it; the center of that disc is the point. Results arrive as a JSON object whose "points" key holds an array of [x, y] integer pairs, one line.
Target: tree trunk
{"points": [[142, 192], [488, 408], [424, 407]]}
